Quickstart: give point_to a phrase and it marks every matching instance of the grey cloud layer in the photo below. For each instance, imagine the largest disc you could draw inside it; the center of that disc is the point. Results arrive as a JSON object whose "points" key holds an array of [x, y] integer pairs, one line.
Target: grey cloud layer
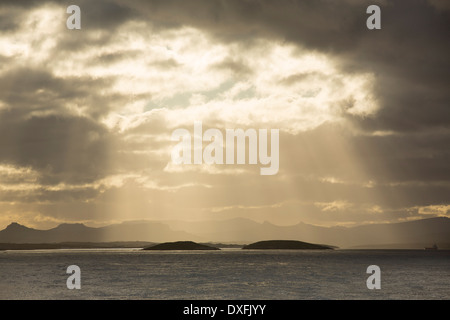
{"points": [[409, 165], [409, 55]]}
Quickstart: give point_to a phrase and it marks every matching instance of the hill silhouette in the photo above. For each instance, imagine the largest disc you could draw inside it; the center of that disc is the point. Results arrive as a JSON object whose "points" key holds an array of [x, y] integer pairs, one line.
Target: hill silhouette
{"points": [[128, 231], [181, 245], [75, 245], [412, 234], [285, 244]]}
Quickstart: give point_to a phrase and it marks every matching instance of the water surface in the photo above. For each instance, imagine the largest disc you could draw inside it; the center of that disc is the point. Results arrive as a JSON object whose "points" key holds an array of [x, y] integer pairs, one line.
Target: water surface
{"points": [[226, 274]]}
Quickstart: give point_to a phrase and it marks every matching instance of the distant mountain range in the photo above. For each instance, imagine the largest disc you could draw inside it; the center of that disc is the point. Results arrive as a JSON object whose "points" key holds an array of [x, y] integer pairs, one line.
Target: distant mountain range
{"points": [[128, 231], [412, 234]]}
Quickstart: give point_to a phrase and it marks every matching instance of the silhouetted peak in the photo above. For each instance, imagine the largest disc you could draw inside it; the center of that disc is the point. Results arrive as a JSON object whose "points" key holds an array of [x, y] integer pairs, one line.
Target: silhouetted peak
{"points": [[15, 226], [71, 226]]}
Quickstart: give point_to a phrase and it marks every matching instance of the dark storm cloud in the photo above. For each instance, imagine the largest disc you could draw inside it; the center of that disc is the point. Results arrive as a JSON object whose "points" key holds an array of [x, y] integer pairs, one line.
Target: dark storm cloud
{"points": [[26, 90], [10, 19], [104, 14], [39, 129], [64, 149], [98, 13], [409, 58], [414, 157], [409, 55]]}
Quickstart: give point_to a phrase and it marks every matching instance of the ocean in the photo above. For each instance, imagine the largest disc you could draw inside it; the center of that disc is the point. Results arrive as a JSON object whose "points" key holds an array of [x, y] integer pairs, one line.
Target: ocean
{"points": [[227, 274]]}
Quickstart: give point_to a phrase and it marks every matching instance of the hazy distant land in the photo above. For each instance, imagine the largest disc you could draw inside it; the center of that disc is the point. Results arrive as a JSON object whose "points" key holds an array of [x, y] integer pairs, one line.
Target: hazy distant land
{"points": [[178, 245], [108, 245], [285, 244], [232, 233], [75, 245]]}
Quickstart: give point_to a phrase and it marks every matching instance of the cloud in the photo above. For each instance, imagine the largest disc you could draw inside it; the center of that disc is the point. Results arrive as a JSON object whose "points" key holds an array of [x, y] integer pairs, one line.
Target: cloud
{"points": [[86, 116], [64, 149]]}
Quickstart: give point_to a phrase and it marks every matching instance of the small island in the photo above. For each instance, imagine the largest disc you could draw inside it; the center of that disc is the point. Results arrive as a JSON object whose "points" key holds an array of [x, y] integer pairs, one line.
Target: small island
{"points": [[285, 245], [181, 245]]}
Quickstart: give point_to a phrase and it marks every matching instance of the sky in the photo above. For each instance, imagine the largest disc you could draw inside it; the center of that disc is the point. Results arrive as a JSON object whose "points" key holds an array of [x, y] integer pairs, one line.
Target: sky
{"points": [[86, 116]]}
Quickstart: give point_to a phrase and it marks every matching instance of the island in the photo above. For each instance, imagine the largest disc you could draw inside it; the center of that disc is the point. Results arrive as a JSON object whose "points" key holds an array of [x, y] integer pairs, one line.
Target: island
{"points": [[181, 245], [286, 245]]}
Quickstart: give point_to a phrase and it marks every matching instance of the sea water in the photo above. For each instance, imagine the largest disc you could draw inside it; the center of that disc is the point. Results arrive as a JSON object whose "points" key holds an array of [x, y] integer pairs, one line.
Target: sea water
{"points": [[227, 274]]}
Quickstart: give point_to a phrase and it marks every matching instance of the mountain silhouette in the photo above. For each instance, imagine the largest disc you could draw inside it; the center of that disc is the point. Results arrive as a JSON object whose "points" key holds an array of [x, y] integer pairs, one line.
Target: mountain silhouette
{"points": [[411, 234], [145, 231]]}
